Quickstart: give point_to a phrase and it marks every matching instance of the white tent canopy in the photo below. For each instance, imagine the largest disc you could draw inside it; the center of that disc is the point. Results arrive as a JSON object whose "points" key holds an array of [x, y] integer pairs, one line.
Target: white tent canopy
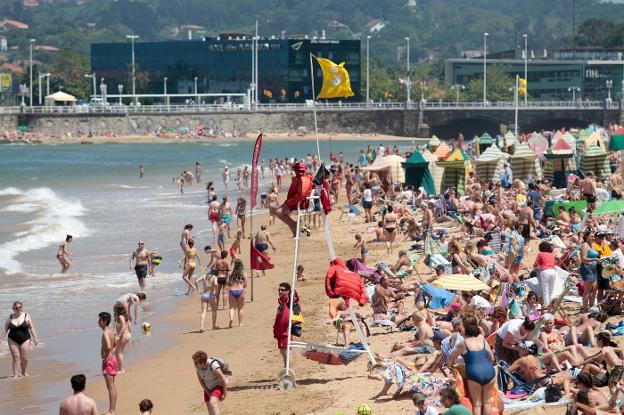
{"points": [[60, 96], [391, 164]]}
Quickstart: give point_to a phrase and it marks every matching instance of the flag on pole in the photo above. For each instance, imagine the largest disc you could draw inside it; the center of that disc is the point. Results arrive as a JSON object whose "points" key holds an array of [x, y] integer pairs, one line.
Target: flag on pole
{"points": [[259, 261], [254, 171], [523, 86], [336, 82]]}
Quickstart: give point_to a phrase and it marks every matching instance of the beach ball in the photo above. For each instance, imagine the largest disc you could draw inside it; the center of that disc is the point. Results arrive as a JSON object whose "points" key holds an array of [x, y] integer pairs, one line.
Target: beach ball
{"points": [[146, 326], [364, 410]]}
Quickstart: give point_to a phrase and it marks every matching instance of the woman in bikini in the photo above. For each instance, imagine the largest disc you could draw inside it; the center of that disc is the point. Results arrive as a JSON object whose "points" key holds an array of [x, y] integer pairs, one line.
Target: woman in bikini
{"points": [[553, 345], [390, 227], [122, 327], [208, 297], [222, 268], [20, 330], [191, 261], [241, 207], [237, 283], [273, 203], [63, 255]]}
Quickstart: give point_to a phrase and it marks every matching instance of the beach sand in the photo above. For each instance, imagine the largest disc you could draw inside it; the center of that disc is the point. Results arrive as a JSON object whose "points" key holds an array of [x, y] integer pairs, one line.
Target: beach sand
{"points": [[169, 379]]}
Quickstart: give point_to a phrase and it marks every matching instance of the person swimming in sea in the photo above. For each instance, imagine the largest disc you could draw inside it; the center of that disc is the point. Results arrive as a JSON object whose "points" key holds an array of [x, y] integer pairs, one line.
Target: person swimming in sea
{"points": [[63, 255]]}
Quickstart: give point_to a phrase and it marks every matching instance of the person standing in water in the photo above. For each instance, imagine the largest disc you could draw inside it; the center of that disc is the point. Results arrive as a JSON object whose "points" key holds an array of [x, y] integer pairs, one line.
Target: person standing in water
{"points": [[198, 171], [208, 297], [213, 214], [122, 327], [141, 172], [186, 235], [141, 258], [20, 330], [226, 178], [63, 255], [109, 361]]}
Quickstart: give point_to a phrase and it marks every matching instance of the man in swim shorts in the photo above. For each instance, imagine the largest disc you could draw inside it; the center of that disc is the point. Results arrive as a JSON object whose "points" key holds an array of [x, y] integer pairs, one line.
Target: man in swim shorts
{"points": [[213, 214], [141, 258], [109, 361], [225, 211], [262, 241]]}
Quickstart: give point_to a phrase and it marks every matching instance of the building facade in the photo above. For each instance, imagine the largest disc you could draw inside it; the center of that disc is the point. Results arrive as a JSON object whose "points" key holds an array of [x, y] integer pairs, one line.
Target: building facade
{"points": [[591, 74], [224, 65]]}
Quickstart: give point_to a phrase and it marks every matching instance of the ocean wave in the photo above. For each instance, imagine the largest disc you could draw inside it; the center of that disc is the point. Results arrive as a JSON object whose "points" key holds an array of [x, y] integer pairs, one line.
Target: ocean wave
{"points": [[126, 186], [53, 218]]}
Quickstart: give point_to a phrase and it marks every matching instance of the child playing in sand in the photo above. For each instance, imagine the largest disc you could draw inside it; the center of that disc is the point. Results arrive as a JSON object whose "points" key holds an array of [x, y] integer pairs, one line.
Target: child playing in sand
{"points": [[300, 275], [361, 243]]}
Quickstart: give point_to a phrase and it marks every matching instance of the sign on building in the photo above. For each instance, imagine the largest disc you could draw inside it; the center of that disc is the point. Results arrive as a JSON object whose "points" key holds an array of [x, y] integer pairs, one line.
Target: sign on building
{"points": [[5, 82]]}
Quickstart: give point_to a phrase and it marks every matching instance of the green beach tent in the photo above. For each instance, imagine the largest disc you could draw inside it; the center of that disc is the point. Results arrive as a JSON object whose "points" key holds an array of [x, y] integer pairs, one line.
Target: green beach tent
{"points": [[490, 164], [560, 162], [484, 142], [417, 173], [525, 164], [616, 143], [436, 171], [595, 159]]}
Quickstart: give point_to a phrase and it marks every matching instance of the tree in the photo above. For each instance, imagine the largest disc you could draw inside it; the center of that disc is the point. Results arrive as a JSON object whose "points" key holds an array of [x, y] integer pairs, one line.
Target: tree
{"points": [[67, 70], [498, 86], [142, 79]]}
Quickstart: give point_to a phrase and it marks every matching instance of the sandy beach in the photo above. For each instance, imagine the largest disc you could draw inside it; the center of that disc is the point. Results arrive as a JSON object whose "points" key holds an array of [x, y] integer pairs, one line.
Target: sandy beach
{"points": [[169, 379]]}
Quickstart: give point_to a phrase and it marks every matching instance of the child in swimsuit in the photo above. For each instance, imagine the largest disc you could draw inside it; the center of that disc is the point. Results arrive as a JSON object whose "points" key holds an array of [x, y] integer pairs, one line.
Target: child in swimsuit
{"points": [[300, 275], [235, 248], [208, 297], [361, 243]]}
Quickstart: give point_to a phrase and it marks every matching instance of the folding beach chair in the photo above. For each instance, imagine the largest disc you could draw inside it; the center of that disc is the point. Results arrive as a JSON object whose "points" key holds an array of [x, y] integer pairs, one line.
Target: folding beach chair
{"points": [[556, 305], [507, 381]]}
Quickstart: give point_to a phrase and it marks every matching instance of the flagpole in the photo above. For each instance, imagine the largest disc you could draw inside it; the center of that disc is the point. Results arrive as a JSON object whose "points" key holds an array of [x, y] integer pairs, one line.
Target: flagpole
{"points": [[318, 147], [516, 107]]}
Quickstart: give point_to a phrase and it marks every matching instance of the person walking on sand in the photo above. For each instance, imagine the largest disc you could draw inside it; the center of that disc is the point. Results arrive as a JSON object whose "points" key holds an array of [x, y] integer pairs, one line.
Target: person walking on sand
{"points": [[78, 403], [63, 255], [191, 261], [225, 211], [237, 282], [222, 268], [235, 248], [212, 380], [141, 172], [109, 361], [280, 326], [262, 241], [213, 214], [122, 327], [20, 330], [208, 297], [141, 258], [241, 208], [273, 203]]}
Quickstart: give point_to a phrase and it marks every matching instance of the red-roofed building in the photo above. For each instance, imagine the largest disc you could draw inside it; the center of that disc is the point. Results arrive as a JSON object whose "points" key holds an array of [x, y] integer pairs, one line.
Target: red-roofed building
{"points": [[8, 24], [31, 3], [11, 67], [47, 48]]}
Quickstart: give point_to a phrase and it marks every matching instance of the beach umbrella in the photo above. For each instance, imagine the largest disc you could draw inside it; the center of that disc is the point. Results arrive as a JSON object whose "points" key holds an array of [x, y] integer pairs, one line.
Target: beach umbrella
{"points": [[460, 282], [524, 163], [538, 143], [616, 143], [610, 207], [595, 159]]}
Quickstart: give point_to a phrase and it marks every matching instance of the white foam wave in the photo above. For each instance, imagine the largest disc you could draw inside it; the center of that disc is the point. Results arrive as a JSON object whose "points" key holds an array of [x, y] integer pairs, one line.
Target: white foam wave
{"points": [[53, 218], [125, 186], [227, 145]]}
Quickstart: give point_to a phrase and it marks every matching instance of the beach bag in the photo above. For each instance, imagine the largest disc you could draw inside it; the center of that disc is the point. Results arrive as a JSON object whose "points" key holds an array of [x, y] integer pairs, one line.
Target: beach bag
{"points": [[552, 393], [218, 363]]}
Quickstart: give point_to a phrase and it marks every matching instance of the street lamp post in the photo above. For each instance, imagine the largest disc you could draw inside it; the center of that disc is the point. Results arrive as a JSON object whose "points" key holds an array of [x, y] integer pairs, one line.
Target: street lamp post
{"points": [[120, 88], [30, 85], [609, 84], [423, 86], [94, 79], [196, 99], [132, 37], [407, 85], [368, 70], [41, 76], [526, 57], [574, 90], [485, 35], [457, 88], [103, 91]]}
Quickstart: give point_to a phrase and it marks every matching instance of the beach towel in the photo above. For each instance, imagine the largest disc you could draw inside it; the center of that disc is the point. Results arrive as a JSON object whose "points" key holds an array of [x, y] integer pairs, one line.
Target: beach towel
{"points": [[259, 261], [365, 271]]}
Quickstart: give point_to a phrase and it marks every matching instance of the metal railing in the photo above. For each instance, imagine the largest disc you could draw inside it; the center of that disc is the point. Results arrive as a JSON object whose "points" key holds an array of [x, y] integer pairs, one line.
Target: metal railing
{"points": [[306, 107]]}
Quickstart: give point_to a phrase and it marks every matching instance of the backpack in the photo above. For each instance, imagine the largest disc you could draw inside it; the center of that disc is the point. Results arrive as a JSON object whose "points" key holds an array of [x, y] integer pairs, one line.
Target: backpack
{"points": [[220, 364]]}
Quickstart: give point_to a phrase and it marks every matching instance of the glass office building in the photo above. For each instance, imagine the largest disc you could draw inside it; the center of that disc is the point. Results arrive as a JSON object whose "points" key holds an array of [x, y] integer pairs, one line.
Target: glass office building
{"points": [[553, 79], [224, 65]]}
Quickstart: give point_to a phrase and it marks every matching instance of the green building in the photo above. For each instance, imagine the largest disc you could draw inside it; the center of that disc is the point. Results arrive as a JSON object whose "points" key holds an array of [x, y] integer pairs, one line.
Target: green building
{"points": [[587, 74], [224, 65]]}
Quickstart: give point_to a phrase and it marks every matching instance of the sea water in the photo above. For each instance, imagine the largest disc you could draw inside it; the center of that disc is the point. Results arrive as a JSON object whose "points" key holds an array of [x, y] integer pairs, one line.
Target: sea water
{"points": [[93, 192]]}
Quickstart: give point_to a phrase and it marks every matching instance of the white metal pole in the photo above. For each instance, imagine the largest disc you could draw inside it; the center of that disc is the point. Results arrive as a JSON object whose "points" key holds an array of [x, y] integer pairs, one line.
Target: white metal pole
{"points": [[526, 57], [292, 289], [40, 88], [516, 107], [47, 84], [407, 99], [256, 71], [368, 70], [318, 147], [253, 68], [485, 35], [30, 86]]}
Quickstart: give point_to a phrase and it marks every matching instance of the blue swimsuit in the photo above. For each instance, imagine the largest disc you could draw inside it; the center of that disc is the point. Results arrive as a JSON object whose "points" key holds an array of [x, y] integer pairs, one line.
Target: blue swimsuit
{"points": [[478, 366]]}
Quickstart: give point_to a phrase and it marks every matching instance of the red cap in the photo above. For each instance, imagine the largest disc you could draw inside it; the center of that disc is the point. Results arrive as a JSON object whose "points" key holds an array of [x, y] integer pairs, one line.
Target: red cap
{"points": [[299, 166]]}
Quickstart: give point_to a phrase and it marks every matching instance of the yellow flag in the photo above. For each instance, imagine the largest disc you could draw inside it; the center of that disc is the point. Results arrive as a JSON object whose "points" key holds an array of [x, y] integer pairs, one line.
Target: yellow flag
{"points": [[336, 82], [523, 86]]}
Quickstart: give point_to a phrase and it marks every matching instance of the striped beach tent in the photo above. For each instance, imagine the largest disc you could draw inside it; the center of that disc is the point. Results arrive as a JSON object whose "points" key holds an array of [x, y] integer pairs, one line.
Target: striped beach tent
{"points": [[560, 162], [525, 164], [433, 143], [595, 159], [594, 138], [570, 141], [456, 167], [484, 142], [443, 151], [436, 171], [509, 142], [490, 164], [616, 143], [538, 143]]}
